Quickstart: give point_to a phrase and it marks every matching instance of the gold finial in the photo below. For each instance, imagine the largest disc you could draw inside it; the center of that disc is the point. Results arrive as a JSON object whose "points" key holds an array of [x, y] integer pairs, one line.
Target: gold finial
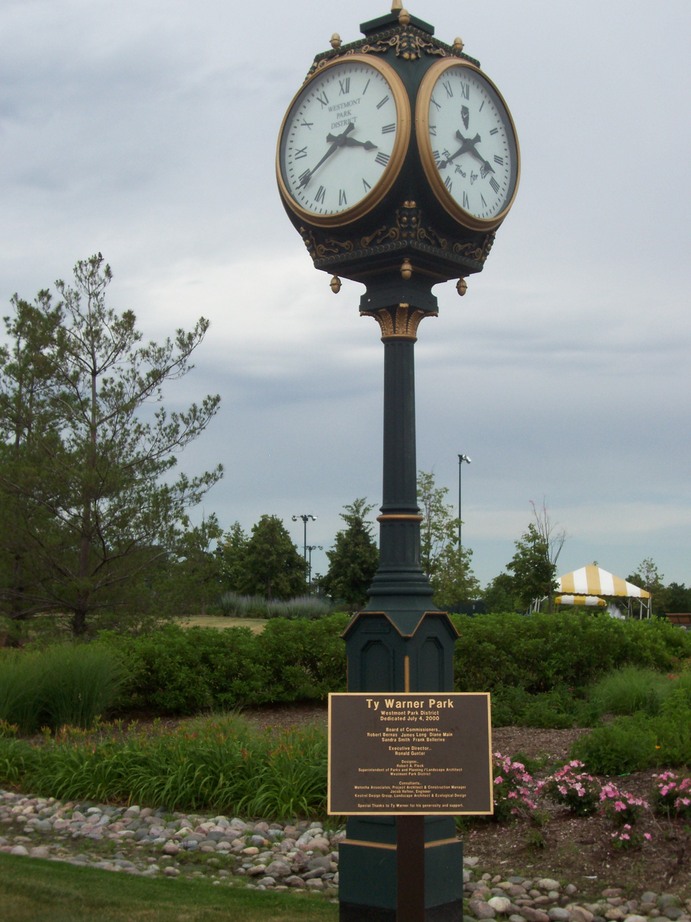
{"points": [[461, 287], [404, 17], [396, 5], [335, 41], [406, 270], [335, 284], [458, 44]]}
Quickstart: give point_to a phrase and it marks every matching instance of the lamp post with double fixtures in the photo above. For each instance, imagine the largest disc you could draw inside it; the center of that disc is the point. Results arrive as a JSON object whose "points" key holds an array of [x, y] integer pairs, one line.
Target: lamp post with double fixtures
{"points": [[310, 548], [461, 459], [305, 519]]}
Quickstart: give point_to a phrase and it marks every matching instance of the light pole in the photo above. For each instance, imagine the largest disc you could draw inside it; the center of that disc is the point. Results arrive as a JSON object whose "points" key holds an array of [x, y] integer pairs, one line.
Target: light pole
{"points": [[305, 519], [461, 459], [310, 548]]}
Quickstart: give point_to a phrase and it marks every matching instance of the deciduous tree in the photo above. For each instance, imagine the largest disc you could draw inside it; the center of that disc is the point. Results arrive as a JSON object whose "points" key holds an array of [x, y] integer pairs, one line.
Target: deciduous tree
{"points": [[447, 566], [534, 574]]}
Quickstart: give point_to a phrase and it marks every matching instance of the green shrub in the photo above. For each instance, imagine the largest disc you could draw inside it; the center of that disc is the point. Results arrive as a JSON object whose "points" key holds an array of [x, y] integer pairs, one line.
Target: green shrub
{"points": [[179, 671], [218, 764], [64, 684], [184, 672], [626, 745], [304, 661], [254, 606], [629, 690], [544, 651]]}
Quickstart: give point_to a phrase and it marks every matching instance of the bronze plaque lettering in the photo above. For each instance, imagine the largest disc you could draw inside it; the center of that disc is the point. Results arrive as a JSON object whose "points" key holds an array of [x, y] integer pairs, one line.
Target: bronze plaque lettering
{"points": [[402, 753]]}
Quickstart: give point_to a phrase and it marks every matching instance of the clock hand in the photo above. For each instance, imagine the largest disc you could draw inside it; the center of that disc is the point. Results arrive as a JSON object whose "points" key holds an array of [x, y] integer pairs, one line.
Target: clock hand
{"points": [[336, 141], [486, 165], [353, 142], [468, 145]]}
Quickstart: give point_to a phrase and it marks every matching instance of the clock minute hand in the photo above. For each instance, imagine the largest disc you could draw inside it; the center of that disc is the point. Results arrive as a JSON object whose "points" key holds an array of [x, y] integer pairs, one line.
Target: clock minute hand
{"points": [[468, 146], [336, 141]]}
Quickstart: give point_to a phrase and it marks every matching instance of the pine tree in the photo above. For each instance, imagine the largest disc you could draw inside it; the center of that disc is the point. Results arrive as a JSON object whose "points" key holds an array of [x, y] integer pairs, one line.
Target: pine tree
{"points": [[353, 559], [95, 505]]}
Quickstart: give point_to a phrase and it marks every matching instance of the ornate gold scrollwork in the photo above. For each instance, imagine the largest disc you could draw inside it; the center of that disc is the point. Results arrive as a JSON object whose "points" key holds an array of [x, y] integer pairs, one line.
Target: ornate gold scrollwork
{"points": [[399, 321], [408, 226], [409, 45]]}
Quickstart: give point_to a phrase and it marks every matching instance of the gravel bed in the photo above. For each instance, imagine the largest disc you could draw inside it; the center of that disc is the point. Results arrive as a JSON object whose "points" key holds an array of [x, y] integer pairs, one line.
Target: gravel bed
{"points": [[303, 856]]}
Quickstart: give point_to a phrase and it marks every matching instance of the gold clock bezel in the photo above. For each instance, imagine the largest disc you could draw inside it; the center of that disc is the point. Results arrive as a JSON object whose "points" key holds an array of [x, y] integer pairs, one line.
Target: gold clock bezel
{"points": [[392, 170], [424, 96]]}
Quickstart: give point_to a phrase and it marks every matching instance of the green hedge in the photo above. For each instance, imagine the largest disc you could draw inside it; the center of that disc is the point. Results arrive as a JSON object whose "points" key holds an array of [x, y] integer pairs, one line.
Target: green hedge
{"points": [[537, 668], [178, 671], [541, 652]]}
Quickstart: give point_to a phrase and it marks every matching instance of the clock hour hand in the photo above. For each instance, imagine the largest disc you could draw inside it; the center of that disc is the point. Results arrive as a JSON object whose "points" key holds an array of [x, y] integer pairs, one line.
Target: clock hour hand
{"points": [[353, 142], [335, 141], [468, 146], [486, 165]]}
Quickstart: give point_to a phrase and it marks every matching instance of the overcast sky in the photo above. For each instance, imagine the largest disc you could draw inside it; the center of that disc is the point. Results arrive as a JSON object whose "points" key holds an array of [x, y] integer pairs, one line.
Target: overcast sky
{"points": [[147, 130]]}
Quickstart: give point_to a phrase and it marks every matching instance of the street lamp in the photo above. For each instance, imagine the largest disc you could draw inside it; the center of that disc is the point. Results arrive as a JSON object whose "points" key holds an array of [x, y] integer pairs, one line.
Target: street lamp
{"points": [[461, 459], [310, 548], [305, 520]]}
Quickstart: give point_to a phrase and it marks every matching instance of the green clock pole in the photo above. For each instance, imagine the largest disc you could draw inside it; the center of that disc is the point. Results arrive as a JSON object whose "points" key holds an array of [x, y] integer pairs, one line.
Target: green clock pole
{"points": [[400, 642], [400, 188]]}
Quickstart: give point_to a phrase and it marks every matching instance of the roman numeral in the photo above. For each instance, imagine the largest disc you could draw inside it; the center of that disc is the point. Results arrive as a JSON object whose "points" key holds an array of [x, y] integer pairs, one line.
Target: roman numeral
{"points": [[494, 131], [484, 203], [494, 184], [323, 99], [342, 199], [466, 200], [449, 89], [383, 102], [319, 196], [434, 102], [465, 90], [304, 124], [345, 86], [388, 129], [499, 160], [382, 159], [300, 153], [433, 131], [366, 186], [448, 183], [366, 88]]}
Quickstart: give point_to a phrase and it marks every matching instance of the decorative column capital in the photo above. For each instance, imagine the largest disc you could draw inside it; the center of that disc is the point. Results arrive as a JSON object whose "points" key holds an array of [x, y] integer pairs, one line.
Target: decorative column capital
{"points": [[399, 321]]}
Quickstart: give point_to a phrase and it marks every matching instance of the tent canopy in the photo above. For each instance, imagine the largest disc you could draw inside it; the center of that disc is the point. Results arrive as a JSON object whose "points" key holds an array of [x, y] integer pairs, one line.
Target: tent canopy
{"points": [[590, 601], [593, 580]]}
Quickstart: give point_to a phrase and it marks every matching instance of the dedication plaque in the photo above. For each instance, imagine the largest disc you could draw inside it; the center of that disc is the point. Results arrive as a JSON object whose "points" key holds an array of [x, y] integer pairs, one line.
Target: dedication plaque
{"points": [[403, 753]]}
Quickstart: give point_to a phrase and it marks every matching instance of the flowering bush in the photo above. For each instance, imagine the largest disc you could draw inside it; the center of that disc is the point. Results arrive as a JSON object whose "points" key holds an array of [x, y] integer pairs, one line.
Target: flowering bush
{"points": [[578, 791], [514, 789], [620, 806], [628, 837], [673, 795]]}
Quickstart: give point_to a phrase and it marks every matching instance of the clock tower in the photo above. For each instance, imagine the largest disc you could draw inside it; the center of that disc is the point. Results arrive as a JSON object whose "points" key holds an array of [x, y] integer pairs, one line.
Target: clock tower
{"points": [[397, 162]]}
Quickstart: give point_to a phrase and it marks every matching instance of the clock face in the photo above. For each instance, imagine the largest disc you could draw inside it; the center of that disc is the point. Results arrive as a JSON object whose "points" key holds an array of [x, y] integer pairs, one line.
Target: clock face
{"points": [[343, 140], [467, 144]]}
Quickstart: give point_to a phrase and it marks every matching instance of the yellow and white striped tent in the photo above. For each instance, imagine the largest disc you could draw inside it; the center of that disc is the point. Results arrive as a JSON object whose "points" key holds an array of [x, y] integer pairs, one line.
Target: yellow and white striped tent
{"points": [[589, 601], [592, 580]]}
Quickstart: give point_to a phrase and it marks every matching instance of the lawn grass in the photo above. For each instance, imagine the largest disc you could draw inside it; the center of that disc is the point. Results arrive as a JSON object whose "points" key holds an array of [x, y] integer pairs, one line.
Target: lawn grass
{"points": [[32, 889], [256, 625]]}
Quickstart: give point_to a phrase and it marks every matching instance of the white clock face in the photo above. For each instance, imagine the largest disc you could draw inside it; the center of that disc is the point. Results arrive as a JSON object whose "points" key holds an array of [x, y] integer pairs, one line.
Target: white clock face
{"points": [[343, 140], [467, 143]]}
